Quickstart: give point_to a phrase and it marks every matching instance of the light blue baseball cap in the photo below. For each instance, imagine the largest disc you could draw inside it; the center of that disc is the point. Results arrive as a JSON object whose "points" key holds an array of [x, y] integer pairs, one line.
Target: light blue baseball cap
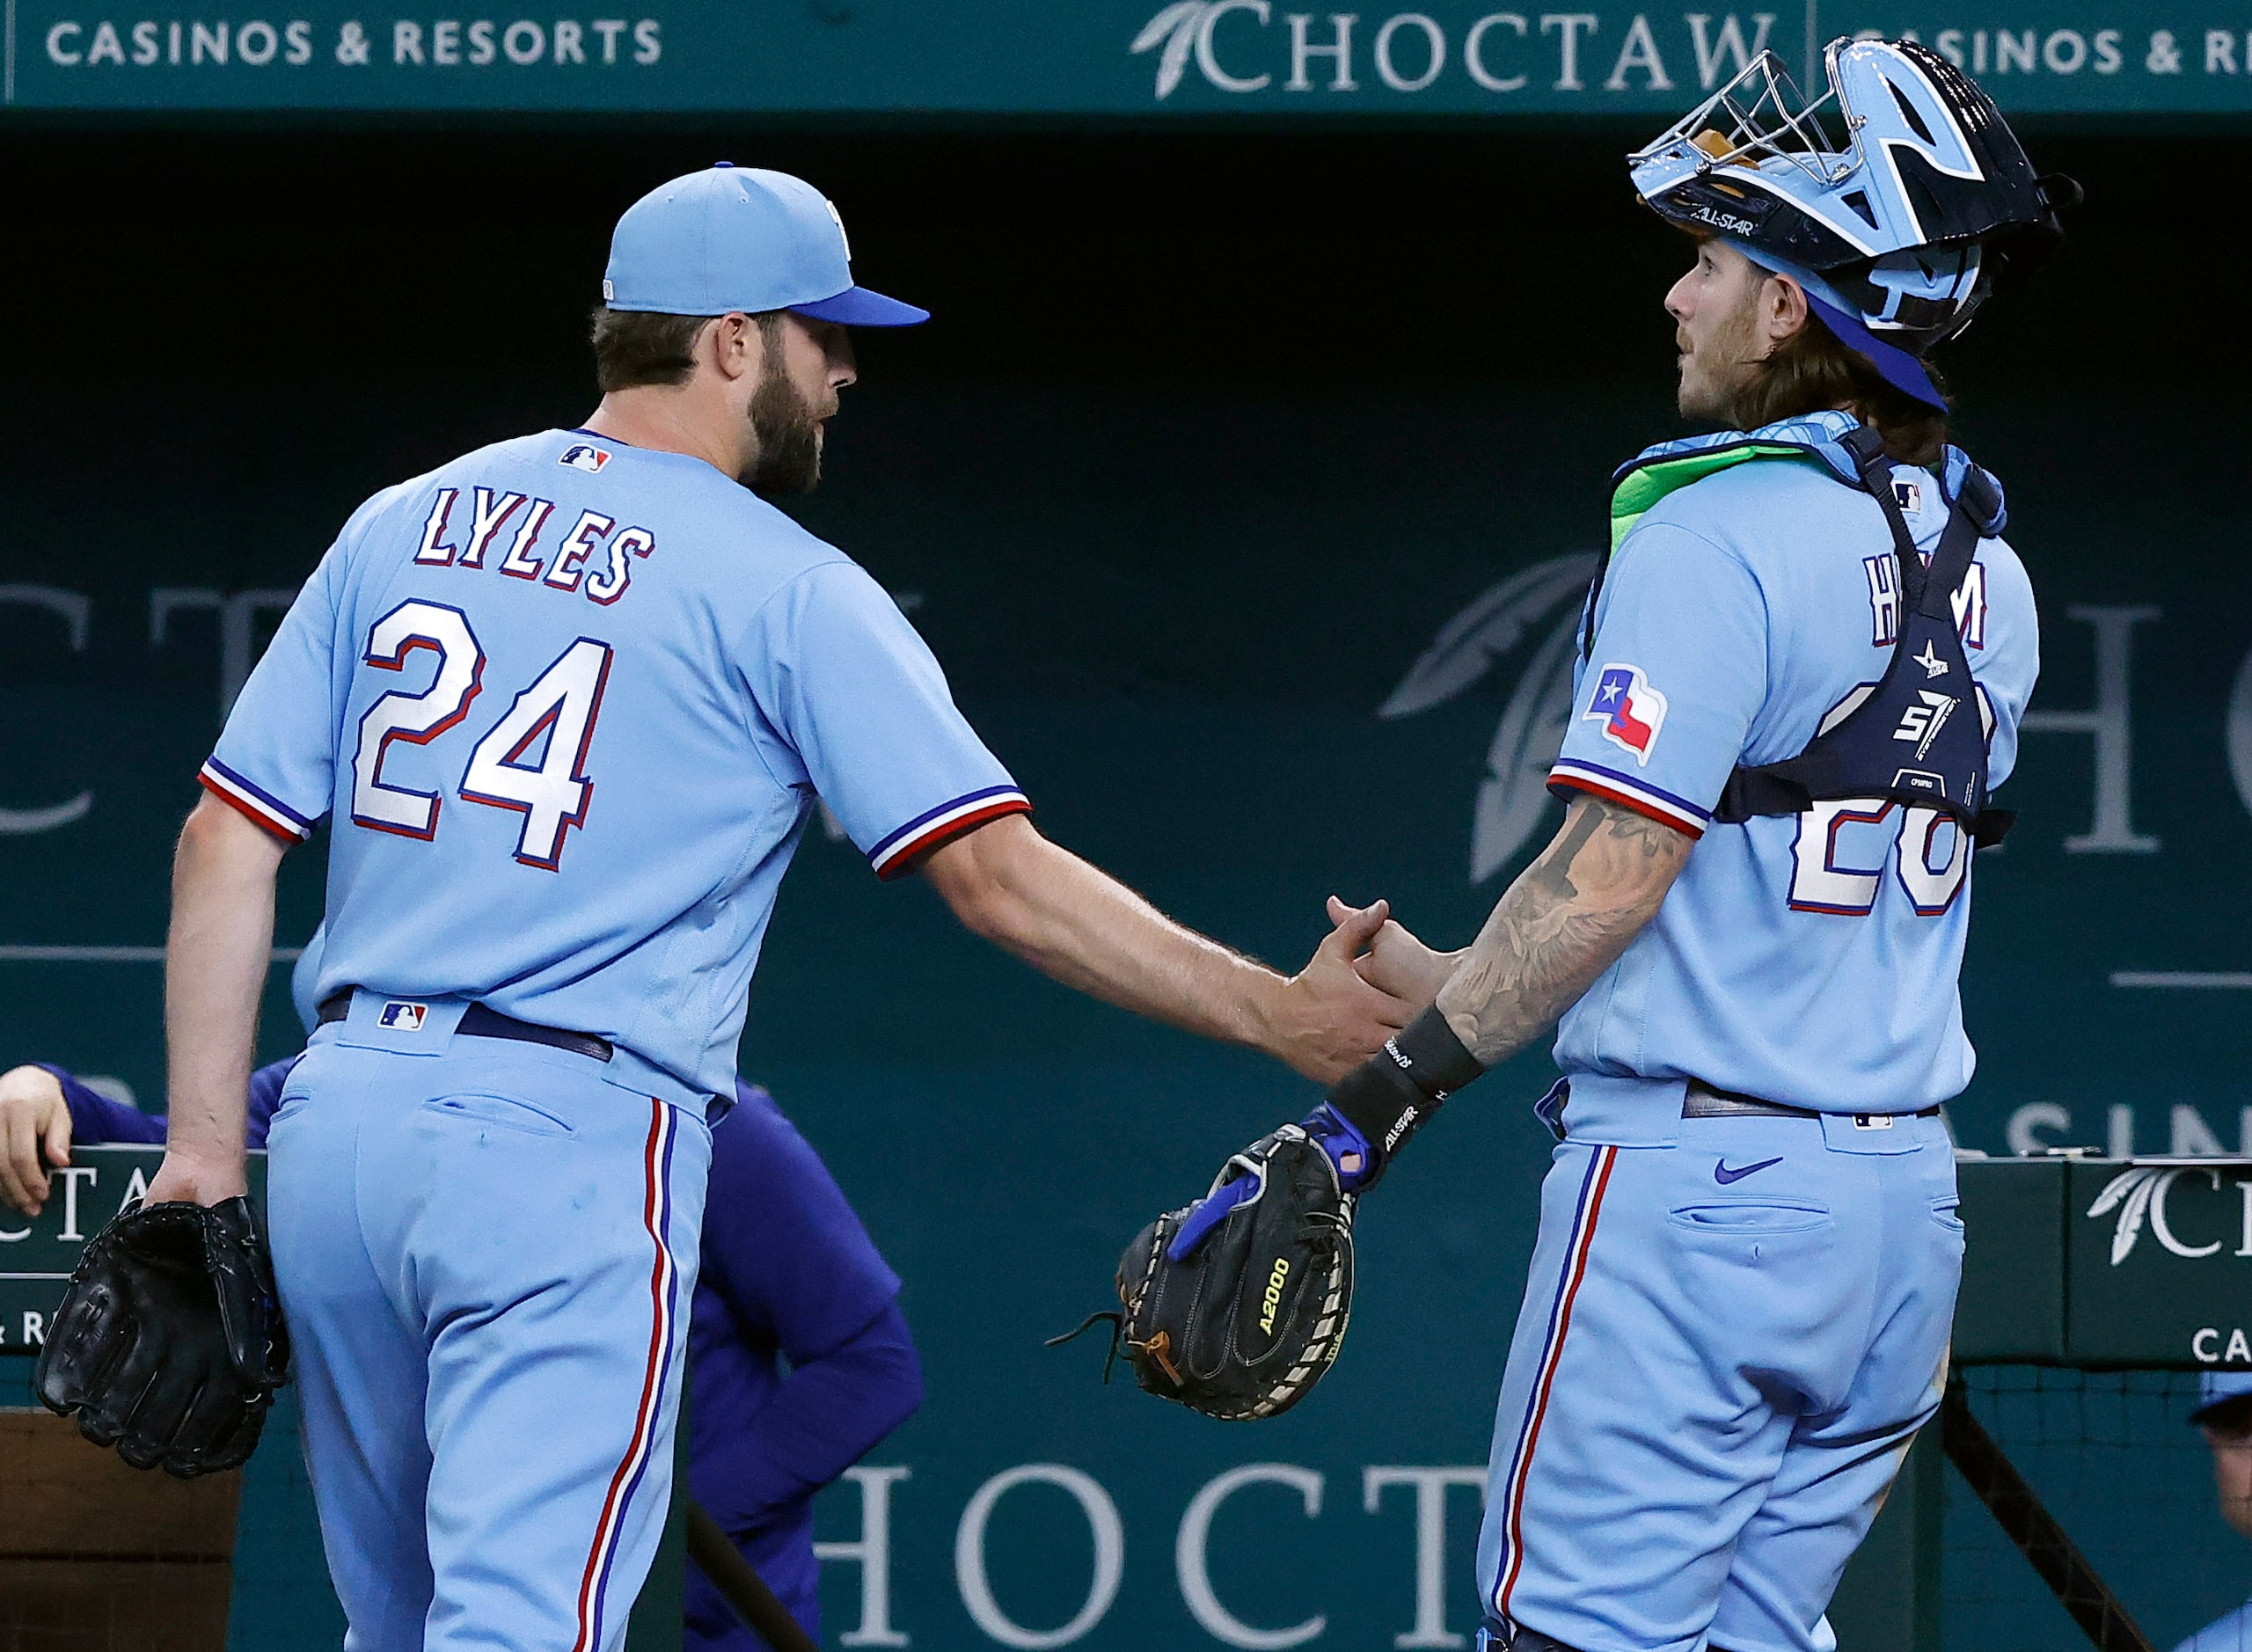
{"points": [[740, 237], [2215, 1388]]}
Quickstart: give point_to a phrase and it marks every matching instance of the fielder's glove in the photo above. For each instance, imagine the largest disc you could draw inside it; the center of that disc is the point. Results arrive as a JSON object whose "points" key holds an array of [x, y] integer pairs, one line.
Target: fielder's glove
{"points": [[1236, 1305], [169, 1343]]}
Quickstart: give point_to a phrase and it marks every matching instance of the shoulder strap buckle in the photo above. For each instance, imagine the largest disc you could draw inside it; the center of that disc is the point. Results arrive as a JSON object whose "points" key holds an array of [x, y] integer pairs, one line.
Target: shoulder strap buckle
{"points": [[1981, 497], [1866, 443]]}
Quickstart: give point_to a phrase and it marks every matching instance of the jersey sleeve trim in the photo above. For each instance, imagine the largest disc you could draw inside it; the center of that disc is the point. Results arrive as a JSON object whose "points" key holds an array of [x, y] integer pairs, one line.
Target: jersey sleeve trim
{"points": [[1570, 774], [262, 808], [895, 854]]}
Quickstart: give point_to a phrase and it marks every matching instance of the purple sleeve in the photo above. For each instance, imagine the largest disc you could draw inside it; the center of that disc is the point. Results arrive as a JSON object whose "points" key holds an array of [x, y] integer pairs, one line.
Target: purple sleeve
{"points": [[781, 1244], [265, 1095], [95, 1119], [827, 1413], [800, 1273]]}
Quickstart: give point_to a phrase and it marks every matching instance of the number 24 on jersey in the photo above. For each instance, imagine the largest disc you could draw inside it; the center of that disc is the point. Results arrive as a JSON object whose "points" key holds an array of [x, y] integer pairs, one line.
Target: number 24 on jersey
{"points": [[532, 761]]}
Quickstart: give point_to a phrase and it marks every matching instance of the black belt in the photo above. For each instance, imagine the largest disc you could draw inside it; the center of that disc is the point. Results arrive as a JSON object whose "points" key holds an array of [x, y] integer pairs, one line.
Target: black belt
{"points": [[477, 1022], [1700, 1101]]}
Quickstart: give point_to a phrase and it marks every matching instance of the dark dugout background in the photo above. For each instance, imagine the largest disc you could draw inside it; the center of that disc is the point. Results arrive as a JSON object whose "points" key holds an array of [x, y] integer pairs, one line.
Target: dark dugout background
{"points": [[1213, 435]]}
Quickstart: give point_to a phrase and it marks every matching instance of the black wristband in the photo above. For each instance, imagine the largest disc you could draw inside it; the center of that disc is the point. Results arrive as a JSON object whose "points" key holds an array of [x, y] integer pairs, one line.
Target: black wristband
{"points": [[1438, 1061], [1389, 1096]]}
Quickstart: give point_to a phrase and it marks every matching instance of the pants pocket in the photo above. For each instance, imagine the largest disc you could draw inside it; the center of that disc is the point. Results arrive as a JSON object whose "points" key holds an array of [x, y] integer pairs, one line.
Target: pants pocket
{"points": [[511, 1113], [1770, 1216]]}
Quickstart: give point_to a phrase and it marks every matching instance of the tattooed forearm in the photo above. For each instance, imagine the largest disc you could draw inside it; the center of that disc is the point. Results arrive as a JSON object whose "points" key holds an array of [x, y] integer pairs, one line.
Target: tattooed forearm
{"points": [[1562, 924]]}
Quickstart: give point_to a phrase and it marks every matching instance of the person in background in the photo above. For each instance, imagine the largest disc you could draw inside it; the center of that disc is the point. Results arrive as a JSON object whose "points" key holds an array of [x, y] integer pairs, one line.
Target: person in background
{"points": [[799, 1361], [2223, 1414]]}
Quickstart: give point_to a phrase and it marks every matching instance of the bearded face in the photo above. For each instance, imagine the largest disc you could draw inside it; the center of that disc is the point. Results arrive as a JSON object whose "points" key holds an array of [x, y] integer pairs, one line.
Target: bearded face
{"points": [[787, 430], [1720, 357], [1715, 310]]}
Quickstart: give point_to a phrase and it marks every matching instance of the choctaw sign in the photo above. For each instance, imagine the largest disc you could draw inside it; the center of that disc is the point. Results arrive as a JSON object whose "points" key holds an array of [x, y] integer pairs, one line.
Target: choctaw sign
{"points": [[1111, 58]]}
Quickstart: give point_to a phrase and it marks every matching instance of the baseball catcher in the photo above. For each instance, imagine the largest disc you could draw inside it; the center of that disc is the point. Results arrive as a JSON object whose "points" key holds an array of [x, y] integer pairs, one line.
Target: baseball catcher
{"points": [[1800, 677], [170, 1343]]}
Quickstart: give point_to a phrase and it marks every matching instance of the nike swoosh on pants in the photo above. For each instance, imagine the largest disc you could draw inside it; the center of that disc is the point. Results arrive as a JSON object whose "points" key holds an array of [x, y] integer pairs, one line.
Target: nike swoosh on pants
{"points": [[1723, 1175]]}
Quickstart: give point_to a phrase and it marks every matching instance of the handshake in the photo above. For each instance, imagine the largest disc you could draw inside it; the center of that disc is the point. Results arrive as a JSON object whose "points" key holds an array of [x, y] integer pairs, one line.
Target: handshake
{"points": [[1237, 1304], [1402, 1059]]}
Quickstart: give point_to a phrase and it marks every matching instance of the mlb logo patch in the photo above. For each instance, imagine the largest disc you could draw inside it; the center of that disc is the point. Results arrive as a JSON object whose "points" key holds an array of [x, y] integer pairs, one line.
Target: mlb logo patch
{"points": [[584, 456], [1629, 709], [1910, 494], [402, 1018]]}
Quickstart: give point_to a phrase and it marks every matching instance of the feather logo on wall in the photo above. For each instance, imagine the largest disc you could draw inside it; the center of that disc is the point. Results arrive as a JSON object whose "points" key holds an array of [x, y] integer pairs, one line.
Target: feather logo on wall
{"points": [[1515, 793], [2130, 1193], [1177, 26], [2140, 1195]]}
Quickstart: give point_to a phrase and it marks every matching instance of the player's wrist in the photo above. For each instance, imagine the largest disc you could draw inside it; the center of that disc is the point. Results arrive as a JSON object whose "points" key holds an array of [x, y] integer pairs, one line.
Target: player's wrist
{"points": [[1443, 968], [1403, 965], [1394, 1093], [190, 1176], [1269, 1018]]}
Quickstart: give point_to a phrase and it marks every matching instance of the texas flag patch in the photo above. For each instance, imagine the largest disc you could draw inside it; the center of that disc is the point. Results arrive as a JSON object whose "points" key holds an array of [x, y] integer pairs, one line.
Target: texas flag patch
{"points": [[1629, 709]]}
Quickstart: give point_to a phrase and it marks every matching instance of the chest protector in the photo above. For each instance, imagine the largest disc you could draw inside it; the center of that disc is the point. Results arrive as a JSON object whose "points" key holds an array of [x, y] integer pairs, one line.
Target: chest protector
{"points": [[1919, 735]]}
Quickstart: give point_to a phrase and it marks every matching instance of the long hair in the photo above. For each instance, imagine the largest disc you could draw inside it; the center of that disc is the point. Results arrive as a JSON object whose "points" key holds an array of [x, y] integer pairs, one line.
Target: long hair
{"points": [[1811, 370]]}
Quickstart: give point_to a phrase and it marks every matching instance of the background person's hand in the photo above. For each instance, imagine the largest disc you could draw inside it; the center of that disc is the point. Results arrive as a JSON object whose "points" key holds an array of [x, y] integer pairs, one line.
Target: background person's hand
{"points": [[32, 1116], [1395, 962], [1332, 1019]]}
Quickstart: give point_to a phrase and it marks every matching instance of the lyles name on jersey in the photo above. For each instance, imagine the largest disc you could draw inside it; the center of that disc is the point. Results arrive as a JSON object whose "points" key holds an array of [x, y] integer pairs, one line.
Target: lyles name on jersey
{"points": [[521, 535]]}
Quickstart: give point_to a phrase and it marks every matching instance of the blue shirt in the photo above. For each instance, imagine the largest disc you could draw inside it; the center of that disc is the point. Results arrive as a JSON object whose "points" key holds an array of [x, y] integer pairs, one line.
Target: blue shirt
{"points": [[795, 1367], [788, 1275], [567, 705], [1812, 959]]}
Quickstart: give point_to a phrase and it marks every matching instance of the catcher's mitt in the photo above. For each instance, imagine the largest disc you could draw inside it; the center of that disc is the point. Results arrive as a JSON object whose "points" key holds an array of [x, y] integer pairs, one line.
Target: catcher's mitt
{"points": [[169, 1343], [1237, 1304]]}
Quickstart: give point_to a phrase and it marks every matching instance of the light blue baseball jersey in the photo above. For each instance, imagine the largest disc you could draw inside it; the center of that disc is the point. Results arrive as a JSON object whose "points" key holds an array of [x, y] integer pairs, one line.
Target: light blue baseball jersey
{"points": [[568, 704], [1809, 959]]}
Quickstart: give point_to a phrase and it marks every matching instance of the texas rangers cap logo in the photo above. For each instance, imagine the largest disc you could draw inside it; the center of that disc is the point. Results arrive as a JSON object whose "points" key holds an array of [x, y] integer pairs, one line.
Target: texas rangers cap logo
{"points": [[584, 456], [1629, 709]]}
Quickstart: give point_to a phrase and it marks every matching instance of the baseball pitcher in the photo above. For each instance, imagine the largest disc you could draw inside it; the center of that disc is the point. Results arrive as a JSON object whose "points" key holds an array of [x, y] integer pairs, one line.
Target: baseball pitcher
{"points": [[567, 703]]}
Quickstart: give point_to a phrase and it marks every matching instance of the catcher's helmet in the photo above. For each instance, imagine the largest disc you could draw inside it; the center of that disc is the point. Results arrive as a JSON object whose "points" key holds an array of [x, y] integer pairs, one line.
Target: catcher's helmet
{"points": [[1901, 193]]}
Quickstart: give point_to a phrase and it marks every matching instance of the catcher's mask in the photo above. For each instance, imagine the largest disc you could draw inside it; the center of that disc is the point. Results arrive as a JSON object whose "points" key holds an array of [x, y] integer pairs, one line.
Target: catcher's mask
{"points": [[1898, 200]]}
